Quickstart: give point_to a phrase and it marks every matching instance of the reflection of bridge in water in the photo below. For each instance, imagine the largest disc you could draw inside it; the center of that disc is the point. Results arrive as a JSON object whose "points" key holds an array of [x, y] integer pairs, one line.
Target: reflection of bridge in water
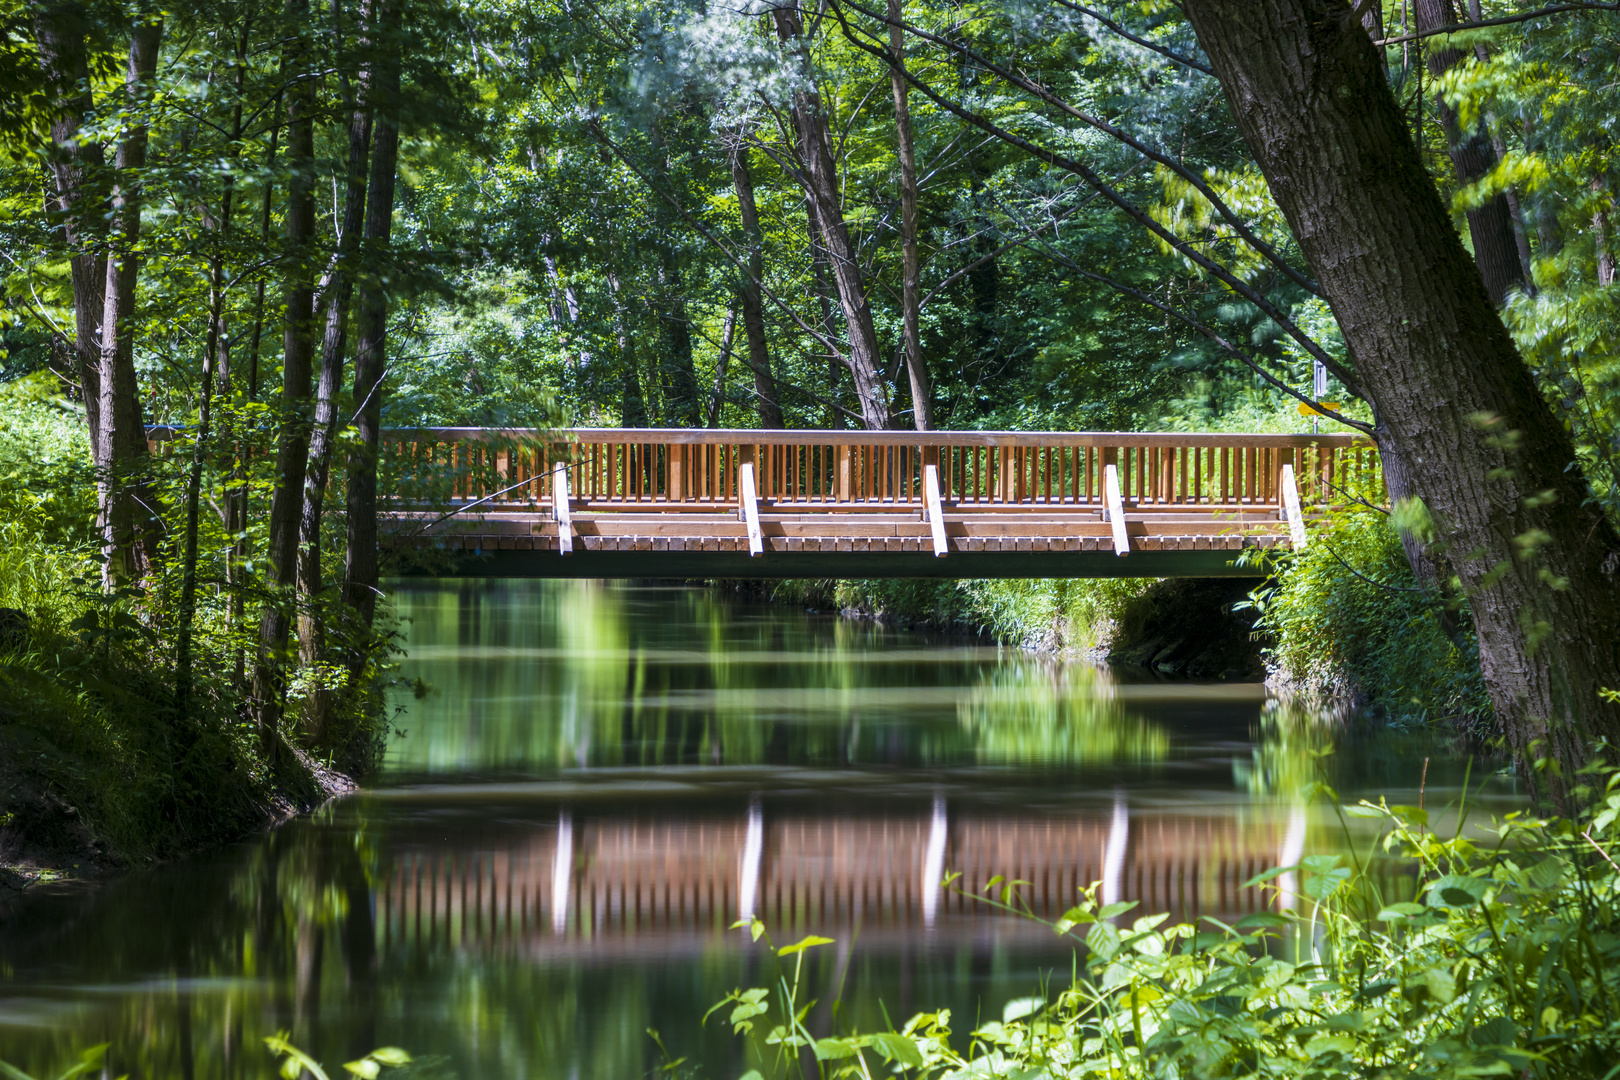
{"points": [[645, 887]]}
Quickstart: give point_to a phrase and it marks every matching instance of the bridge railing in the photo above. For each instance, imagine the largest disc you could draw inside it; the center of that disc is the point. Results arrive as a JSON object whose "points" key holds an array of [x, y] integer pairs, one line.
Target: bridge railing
{"points": [[627, 469]]}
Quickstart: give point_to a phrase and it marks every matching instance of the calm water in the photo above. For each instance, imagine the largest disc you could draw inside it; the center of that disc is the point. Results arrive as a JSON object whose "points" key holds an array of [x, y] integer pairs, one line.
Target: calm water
{"points": [[602, 778]]}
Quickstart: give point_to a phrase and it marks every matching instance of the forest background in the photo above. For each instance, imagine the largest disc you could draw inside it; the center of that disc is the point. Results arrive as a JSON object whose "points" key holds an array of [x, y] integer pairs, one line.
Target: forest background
{"points": [[274, 229]]}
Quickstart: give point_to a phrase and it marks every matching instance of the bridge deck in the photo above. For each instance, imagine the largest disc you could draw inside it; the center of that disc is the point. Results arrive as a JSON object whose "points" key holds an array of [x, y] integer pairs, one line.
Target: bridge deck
{"points": [[649, 503]]}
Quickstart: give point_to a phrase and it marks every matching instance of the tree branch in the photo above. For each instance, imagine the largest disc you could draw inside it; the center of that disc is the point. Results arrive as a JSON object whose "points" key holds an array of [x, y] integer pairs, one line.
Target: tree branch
{"points": [[1136, 213], [1035, 89], [1144, 42], [1501, 20]]}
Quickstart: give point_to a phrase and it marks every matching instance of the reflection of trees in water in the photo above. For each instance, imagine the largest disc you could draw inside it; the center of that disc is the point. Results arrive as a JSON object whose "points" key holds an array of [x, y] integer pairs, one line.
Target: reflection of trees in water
{"points": [[1286, 758], [1056, 713], [200, 962]]}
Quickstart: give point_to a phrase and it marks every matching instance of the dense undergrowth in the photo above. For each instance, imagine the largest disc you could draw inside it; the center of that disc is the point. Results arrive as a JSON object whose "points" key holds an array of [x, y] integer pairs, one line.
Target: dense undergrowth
{"points": [[1494, 954], [97, 765]]}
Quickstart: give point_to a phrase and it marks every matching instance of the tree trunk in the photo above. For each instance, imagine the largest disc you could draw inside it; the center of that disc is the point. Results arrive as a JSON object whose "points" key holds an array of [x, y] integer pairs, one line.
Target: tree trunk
{"points": [[76, 165], [753, 307], [922, 391], [1496, 250], [1455, 402], [718, 396], [1600, 236], [335, 298], [129, 528], [821, 187], [297, 348], [682, 402], [371, 356]]}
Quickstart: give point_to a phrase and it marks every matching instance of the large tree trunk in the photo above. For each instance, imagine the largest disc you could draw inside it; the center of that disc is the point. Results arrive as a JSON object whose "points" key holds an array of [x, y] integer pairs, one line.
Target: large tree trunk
{"points": [[922, 391], [76, 165], [129, 528], [371, 357], [1455, 402], [821, 187], [753, 307], [335, 297], [297, 349], [1496, 250]]}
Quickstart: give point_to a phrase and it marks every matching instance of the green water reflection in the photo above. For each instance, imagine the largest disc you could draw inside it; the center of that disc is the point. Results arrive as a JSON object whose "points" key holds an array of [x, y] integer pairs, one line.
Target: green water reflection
{"points": [[604, 777]]}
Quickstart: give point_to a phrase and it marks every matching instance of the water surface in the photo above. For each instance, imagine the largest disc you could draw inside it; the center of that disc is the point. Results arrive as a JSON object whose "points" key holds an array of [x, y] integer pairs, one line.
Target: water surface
{"points": [[599, 779]]}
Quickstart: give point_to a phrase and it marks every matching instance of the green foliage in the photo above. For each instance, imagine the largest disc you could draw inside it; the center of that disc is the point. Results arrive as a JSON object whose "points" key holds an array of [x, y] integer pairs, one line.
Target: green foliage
{"points": [[1492, 954], [1347, 617]]}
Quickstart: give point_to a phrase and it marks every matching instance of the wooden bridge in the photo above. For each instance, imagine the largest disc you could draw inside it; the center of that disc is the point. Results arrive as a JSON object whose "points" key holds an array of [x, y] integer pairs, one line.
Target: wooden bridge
{"points": [[617, 502]]}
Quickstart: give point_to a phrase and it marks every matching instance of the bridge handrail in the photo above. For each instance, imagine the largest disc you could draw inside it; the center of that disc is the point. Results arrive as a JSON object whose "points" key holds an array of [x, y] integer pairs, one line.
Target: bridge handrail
{"points": [[861, 437], [684, 469]]}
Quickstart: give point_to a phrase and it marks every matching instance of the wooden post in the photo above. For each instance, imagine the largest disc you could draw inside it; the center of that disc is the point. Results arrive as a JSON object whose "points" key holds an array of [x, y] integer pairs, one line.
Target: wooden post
{"points": [[1291, 509], [560, 508], [933, 510], [846, 477], [675, 464], [1114, 509], [749, 497]]}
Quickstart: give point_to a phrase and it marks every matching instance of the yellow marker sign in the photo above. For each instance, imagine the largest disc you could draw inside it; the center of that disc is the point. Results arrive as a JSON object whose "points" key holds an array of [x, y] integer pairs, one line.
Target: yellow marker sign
{"points": [[1327, 407]]}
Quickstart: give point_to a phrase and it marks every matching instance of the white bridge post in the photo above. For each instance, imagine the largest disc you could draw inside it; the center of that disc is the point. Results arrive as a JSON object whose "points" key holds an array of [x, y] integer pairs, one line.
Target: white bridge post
{"points": [[559, 508], [1114, 509], [933, 509], [748, 495], [1291, 510]]}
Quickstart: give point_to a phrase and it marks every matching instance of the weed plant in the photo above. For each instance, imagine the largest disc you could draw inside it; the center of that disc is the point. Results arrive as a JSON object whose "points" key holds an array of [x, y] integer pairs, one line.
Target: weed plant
{"points": [[1499, 959]]}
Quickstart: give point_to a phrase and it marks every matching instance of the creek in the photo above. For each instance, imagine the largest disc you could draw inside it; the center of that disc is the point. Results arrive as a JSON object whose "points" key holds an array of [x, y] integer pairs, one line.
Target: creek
{"points": [[597, 779]]}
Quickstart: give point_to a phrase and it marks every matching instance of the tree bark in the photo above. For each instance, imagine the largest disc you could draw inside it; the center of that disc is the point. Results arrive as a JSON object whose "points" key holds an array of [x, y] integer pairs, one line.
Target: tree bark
{"points": [[1600, 236], [128, 522], [76, 165], [922, 391], [1496, 250], [753, 307], [371, 356], [1455, 402], [297, 349], [821, 187], [335, 299]]}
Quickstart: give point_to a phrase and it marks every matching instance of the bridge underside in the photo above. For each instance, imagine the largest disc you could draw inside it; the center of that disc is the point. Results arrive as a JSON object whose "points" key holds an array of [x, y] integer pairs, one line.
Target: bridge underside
{"points": [[843, 546]]}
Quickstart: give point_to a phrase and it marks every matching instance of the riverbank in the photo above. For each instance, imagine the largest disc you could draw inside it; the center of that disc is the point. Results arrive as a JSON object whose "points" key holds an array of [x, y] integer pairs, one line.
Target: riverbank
{"points": [[53, 831], [1343, 625]]}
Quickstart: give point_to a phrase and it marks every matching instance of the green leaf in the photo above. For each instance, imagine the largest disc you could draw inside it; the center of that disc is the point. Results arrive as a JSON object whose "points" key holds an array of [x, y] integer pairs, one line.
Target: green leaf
{"points": [[1403, 910], [1362, 810], [1414, 814], [1267, 919], [1457, 891], [392, 1056], [365, 1068], [1109, 911], [808, 943], [1274, 872], [1103, 940], [833, 1049], [1018, 1008], [896, 1047]]}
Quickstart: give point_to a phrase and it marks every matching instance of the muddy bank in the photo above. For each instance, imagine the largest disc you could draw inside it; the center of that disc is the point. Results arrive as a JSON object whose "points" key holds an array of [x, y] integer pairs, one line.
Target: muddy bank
{"points": [[51, 836]]}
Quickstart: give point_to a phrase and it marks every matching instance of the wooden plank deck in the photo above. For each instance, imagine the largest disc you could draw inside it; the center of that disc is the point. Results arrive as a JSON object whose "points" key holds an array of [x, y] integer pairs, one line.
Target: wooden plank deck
{"points": [[660, 503]]}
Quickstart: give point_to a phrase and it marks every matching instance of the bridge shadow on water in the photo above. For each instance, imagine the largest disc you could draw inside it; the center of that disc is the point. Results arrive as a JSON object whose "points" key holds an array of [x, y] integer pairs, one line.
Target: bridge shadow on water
{"points": [[602, 779]]}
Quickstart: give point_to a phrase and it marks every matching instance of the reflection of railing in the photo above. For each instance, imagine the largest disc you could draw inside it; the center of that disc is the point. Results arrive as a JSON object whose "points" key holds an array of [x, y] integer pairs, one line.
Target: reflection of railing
{"points": [[633, 468], [644, 885]]}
